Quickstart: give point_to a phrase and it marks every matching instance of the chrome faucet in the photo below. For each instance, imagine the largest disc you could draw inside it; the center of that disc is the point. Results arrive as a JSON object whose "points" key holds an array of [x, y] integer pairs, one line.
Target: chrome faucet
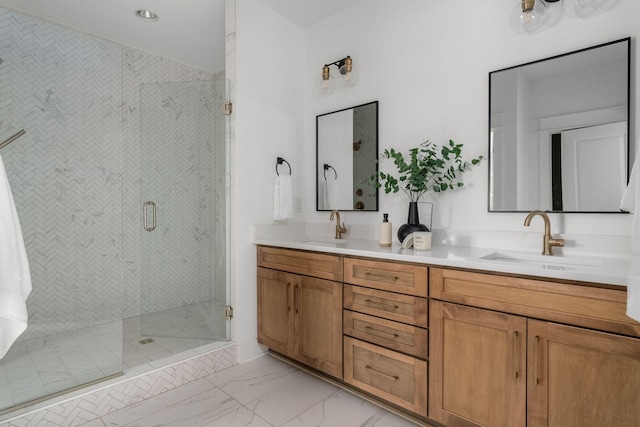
{"points": [[339, 228], [549, 242]]}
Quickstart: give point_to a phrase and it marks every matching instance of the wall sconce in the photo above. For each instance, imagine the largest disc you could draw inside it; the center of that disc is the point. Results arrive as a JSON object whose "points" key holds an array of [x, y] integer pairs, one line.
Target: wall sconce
{"points": [[531, 16], [348, 75]]}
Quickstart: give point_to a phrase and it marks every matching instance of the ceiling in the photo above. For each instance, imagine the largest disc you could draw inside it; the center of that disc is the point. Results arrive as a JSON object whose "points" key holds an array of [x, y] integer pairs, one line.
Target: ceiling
{"points": [[305, 13], [188, 31]]}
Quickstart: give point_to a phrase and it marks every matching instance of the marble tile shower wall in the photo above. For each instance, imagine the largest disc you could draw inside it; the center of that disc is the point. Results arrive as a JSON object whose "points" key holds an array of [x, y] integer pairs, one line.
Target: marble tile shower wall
{"points": [[75, 175]]}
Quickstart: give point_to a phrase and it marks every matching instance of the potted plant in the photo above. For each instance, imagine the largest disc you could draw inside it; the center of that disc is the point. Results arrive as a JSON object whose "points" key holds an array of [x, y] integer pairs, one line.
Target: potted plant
{"points": [[429, 167]]}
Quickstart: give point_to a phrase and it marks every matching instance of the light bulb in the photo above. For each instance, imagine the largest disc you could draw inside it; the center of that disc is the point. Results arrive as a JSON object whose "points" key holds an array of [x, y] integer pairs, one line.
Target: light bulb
{"points": [[325, 83], [584, 8], [348, 74], [529, 16]]}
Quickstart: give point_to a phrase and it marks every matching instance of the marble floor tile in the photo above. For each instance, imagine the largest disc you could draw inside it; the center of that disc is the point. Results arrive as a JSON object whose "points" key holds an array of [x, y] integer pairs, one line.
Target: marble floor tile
{"points": [[301, 400], [194, 404], [341, 408], [257, 383], [291, 399], [241, 417], [95, 423], [262, 364]]}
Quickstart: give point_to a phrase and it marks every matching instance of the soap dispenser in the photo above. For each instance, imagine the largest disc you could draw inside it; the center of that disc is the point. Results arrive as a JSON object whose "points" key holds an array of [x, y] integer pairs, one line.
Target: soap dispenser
{"points": [[385, 231]]}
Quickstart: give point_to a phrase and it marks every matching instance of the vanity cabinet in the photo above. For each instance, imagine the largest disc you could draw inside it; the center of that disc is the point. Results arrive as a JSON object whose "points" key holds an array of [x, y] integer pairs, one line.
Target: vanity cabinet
{"points": [[458, 347], [299, 316], [520, 366], [385, 327]]}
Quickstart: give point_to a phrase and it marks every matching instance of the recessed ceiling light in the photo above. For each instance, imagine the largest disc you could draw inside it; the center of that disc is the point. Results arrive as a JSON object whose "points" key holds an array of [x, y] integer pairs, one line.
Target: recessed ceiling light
{"points": [[146, 15]]}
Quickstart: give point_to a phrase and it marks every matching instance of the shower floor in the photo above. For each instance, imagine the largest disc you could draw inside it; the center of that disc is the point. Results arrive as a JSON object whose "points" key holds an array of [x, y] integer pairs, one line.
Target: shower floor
{"points": [[37, 367]]}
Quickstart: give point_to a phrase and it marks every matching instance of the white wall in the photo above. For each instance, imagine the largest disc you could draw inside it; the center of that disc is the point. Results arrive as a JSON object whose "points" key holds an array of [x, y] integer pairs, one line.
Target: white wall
{"points": [[269, 123], [427, 63]]}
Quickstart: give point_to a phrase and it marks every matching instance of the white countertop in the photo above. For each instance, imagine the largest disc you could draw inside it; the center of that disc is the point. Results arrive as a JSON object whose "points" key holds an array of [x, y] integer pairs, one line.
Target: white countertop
{"points": [[592, 269]]}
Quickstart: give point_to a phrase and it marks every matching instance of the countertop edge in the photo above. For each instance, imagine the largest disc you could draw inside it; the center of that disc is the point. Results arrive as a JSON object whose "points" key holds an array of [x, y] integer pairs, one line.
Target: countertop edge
{"points": [[614, 271]]}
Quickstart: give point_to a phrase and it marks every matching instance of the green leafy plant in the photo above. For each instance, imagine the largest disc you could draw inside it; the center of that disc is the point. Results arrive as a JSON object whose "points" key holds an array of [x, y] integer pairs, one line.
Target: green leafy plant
{"points": [[429, 167]]}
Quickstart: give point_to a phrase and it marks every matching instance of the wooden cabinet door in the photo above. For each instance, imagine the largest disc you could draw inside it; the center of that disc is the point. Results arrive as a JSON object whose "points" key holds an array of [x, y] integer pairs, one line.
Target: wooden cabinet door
{"points": [[275, 310], [318, 324], [582, 378], [477, 367]]}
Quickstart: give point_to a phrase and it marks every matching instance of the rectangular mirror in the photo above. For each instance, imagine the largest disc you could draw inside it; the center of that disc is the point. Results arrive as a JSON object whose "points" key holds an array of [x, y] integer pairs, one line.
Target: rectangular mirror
{"points": [[559, 132], [346, 156]]}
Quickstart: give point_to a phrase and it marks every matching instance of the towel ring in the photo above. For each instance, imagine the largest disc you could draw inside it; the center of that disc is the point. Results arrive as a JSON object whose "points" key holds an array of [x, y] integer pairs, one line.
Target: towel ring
{"points": [[281, 161], [327, 167]]}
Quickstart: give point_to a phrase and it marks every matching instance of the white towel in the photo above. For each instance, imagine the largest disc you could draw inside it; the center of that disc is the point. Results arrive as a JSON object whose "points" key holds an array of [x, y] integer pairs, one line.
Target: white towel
{"points": [[331, 194], [630, 202], [15, 279], [283, 198]]}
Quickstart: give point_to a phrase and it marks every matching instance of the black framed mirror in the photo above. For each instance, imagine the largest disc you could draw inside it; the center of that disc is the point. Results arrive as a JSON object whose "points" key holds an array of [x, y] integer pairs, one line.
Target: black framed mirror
{"points": [[559, 132], [346, 156]]}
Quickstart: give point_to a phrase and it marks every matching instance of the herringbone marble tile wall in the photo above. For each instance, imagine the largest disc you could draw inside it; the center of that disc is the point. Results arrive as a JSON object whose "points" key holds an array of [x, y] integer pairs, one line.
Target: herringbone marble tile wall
{"points": [[76, 175], [63, 88]]}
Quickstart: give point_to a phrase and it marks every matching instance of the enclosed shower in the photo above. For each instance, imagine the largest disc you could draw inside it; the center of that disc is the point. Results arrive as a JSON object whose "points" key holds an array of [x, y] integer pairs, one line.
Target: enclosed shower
{"points": [[120, 183]]}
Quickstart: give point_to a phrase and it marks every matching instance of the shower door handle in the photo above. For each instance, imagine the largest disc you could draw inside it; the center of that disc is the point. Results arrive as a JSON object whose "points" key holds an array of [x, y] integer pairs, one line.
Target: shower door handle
{"points": [[145, 208]]}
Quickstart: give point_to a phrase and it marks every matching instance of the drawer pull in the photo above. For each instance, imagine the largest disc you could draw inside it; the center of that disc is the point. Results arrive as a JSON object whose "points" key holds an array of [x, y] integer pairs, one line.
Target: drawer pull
{"points": [[372, 330], [381, 304], [380, 276], [395, 377]]}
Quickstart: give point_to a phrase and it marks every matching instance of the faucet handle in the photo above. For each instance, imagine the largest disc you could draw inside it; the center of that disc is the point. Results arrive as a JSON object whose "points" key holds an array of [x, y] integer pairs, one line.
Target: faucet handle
{"points": [[549, 243], [556, 242]]}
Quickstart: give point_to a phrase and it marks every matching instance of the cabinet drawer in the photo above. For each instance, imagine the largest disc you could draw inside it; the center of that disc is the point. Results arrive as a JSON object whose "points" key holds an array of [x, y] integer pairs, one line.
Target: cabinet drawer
{"points": [[388, 276], [401, 308], [387, 333], [395, 377], [579, 305], [311, 264]]}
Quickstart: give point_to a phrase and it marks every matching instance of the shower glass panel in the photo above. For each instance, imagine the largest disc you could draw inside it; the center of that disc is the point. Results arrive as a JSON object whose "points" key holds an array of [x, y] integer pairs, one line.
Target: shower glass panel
{"points": [[184, 276], [66, 178]]}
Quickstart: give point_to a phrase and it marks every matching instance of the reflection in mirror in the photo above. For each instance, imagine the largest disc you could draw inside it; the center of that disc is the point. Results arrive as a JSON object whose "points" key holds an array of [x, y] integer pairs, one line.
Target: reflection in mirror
{"points": [[558, 132], [346, 156]]}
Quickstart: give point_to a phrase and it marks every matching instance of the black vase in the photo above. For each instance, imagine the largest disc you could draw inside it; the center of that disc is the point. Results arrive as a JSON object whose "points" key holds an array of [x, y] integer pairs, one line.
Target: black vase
{"points": [[413, 223]]}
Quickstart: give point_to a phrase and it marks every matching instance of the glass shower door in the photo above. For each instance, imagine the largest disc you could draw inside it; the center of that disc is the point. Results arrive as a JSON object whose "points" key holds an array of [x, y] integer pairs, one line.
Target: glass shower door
{"points": [[184, 278]]}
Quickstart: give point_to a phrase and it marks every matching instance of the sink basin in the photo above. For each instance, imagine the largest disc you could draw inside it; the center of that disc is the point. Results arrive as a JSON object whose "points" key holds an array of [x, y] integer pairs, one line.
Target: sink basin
{"points": [[553, 262], [322, 241]]}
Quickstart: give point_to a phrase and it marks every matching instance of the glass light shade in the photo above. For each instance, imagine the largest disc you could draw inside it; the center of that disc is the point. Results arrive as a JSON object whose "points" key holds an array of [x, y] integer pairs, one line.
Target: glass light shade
{"points": [[584, 8], [348, 78], [325, 86], [529, 20]]}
